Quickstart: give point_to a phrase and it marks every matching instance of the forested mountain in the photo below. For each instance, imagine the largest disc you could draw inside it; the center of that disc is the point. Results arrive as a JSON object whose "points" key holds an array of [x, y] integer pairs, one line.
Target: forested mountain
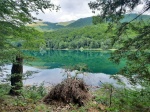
{"points": [[82, 33], [65, 23], [45, 26], [51, 26], [88, 37], [129, 17], [81, 22]]}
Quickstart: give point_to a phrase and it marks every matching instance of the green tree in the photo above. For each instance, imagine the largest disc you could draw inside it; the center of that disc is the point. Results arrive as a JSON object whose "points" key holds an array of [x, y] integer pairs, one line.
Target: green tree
{"points": [[135, 49], [15, 36], [26, 38], [96, 20]]}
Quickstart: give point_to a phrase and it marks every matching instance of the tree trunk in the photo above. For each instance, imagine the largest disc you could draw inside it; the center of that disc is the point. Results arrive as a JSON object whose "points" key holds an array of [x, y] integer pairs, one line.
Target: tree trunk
{"points": [[16, 76]]}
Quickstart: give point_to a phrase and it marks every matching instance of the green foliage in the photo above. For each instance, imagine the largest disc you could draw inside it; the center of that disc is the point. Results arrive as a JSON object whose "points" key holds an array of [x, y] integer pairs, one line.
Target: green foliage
{"points": [[114, 10], [96, 20], [132, 47], [28, 101], [13, 32], [4, 88], [34, 92], [90, 106], [90, 37], [124, 99], [51, 26], [19, 12], [83, 22], [48, 26], [138, 59], [130, 17], [15, 36], [75, 24], [86, 37]]}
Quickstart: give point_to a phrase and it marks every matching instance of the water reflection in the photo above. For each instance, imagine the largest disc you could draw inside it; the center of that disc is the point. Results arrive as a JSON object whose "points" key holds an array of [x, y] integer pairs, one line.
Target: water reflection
{"points": [[97, 62], [56, 75]]}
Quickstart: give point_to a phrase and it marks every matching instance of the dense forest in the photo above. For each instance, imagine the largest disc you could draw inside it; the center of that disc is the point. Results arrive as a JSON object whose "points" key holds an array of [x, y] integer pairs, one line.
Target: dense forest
{"points": [[76, 38], [85, 33], [89, 37]]}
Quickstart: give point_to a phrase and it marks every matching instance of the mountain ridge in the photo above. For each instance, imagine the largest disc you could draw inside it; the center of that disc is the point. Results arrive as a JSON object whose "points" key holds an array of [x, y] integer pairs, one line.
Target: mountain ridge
{"points": [[49, 26]]}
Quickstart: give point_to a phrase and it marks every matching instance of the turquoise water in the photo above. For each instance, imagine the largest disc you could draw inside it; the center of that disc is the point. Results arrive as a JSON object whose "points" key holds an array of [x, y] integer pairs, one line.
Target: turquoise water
{"points": [[96, 61]]}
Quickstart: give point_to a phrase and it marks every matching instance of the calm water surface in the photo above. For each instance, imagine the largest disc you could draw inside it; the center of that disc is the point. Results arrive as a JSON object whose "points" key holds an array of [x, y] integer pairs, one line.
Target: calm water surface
{"points": [[96, 61], [50, 64]]}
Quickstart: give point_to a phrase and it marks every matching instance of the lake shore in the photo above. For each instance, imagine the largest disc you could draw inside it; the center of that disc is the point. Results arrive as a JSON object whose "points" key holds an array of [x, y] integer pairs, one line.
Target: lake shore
{"points": [[85, 49]]}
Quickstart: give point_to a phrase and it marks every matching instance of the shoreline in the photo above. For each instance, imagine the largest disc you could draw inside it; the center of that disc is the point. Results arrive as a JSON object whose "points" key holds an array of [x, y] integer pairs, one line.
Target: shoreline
{"points": [[84, 49]]}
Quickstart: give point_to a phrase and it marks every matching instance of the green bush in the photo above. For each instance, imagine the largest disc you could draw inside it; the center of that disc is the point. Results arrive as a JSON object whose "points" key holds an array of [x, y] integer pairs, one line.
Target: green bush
{"points": [[124, 99], [34, 92]]}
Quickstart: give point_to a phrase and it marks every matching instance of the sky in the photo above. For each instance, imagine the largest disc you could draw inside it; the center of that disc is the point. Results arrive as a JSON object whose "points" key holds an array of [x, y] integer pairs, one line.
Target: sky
{"points": [[70, 10]]}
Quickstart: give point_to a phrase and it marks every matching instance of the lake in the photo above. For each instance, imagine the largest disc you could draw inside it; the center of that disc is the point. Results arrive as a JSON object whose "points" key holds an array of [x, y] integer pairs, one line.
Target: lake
{"points": [[96, 61], [50, 66]]}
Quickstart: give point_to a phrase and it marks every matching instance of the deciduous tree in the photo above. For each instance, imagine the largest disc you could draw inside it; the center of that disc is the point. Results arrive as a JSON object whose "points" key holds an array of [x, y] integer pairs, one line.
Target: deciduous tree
{"points": [[134, 49], [15, 36]]}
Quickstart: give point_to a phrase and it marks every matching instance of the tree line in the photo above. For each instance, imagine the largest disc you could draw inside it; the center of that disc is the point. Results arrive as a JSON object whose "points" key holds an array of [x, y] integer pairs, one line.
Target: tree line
{"points": [[89, 37]]}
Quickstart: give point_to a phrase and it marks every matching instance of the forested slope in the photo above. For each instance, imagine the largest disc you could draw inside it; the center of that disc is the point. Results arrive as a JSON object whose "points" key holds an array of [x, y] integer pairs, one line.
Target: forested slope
{"points": [[82, 22]]}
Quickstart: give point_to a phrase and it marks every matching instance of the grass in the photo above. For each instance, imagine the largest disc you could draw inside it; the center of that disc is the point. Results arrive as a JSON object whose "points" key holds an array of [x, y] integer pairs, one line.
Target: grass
{"points": [[65, 23], [37, 24], [106, 99], [31, 101]]}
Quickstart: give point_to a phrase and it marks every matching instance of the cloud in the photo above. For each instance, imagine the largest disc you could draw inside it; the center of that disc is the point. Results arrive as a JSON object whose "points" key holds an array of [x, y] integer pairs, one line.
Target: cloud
{"points": [[70, 10], [140, 8]]}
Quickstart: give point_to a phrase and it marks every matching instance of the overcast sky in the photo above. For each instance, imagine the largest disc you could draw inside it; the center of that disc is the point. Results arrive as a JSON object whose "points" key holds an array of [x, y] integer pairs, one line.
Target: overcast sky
{"points": [[70, 10]]}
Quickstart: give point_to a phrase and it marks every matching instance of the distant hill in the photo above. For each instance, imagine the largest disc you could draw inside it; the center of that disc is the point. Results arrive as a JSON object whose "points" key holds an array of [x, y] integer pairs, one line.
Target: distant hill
{"points": [[48, 26], [129, 17], [69, 24], [38, 25], [81, 22], [65, 23], [51, 26]]}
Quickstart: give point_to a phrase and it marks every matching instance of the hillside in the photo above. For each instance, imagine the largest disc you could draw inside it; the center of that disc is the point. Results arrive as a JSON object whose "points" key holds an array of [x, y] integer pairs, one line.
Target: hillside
{"points": [[129, 17], [51, 26], [69, 24], [82, 22], [65, 23]]}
